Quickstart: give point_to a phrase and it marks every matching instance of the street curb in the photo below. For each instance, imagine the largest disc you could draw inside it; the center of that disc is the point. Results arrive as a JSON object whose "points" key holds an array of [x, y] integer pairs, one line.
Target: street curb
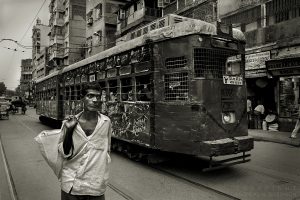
{"points": [[276, 137], [296, 144]]}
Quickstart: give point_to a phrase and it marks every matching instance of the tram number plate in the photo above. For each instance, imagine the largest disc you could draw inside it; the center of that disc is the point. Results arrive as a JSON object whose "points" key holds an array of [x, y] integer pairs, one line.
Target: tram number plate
{"points": [[233, 80]]}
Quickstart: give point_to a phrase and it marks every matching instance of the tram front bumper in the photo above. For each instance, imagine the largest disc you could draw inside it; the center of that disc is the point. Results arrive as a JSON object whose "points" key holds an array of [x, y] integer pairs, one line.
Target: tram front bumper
{"points": [[227, 146]]}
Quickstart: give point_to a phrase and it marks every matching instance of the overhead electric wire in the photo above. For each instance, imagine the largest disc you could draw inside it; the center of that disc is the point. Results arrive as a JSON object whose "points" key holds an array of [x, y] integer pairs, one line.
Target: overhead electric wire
{"points": [[33, 20], [10, 62]]}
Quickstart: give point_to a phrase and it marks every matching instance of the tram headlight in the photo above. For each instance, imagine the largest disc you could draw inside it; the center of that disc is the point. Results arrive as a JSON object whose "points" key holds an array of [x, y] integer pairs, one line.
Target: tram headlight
{"points": [[228, 117], [233, 68]]}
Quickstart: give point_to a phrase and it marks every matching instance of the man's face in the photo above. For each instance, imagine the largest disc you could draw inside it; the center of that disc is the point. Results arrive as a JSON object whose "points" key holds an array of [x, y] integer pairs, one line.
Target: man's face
{"points": [[91, 100]]}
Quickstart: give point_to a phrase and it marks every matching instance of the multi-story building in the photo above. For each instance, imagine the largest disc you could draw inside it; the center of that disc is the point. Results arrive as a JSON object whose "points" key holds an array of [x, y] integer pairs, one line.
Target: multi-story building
{"points": [[67, 33], [101, 21], [205, 10], [272, 53], [26, 78], [40, 43], [135, 14]]}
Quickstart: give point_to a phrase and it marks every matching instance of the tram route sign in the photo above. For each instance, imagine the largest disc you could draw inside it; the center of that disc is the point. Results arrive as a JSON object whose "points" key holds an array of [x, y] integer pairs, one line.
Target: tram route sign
{"points": [[233, 80]]}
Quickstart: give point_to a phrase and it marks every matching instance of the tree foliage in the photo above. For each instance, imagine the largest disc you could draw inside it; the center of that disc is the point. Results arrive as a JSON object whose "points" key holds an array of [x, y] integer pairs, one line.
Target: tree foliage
{"points": [[2, 88]]}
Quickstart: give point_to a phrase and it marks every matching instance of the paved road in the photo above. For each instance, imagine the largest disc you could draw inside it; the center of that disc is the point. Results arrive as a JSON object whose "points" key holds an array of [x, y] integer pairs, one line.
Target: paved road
{"points": [[33, 179], [272, 174]]}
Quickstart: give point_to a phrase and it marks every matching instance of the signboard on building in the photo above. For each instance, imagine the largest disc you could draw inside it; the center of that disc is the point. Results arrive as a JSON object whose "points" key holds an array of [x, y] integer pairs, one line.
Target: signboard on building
{"points": [[255, 73], [257, 60]]}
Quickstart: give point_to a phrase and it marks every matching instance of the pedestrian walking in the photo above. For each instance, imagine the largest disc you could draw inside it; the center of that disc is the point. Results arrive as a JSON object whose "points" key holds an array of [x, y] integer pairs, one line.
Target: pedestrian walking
{"points": [[297, 126], [249, 112], [85, 147]]}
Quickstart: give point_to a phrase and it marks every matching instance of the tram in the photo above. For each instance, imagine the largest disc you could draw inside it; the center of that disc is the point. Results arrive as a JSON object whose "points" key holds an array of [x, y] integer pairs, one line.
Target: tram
{"points": [[176, 85]]}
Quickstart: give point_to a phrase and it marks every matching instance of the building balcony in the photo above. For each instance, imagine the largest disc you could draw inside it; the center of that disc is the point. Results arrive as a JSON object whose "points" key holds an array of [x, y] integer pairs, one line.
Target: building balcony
{"points": [[284, 34], [58, 22], [56, 53], [143, 15], [59, 39]]}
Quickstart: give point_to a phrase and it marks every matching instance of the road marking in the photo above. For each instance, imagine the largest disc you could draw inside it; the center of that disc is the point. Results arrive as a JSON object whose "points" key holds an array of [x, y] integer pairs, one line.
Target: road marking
{"points": [[11, 186]]}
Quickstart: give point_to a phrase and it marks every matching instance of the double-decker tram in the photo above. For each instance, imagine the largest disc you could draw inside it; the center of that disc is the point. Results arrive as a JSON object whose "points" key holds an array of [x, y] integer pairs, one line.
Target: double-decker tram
{"points": [[175, 86]]}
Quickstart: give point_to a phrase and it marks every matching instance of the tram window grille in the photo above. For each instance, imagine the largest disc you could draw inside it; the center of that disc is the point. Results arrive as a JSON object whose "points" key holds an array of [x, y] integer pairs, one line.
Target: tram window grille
{"points": [[127, 90], [176, 86], [78, 92], [145, 30], [210, 63], [161, 23], [132, 36], [177, 20], [152, 26], [176, 62], [113, 90]]}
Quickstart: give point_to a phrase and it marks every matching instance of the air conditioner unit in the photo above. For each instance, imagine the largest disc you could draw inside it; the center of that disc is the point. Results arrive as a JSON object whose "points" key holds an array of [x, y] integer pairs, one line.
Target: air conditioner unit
{"points": [[90, 21]]}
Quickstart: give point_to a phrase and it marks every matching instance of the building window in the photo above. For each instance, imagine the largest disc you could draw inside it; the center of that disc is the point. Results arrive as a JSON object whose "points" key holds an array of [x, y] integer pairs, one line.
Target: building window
{"points": [[98, 11], [38, 48], [99, 36], [289, 96], [282, 10]]}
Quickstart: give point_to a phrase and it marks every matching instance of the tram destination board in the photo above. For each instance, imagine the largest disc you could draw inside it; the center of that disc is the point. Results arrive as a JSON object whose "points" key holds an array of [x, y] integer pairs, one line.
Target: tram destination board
{"points": [[233, 80]]}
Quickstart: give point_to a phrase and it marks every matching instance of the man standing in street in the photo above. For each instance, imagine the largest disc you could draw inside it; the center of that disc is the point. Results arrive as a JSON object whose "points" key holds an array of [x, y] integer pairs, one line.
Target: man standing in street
{"points": [[297, 126], [85, 146]]}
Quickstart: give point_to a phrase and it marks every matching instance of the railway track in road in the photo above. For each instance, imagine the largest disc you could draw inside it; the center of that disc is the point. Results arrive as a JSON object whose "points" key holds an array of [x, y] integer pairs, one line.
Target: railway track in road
{"points": [[129, 194], [195, 184], [10, 182], [123, 192]]}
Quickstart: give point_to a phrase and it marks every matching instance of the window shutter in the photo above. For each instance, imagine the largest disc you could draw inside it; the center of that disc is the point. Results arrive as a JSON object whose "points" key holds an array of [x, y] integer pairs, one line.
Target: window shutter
{"points": [[160, 3]]}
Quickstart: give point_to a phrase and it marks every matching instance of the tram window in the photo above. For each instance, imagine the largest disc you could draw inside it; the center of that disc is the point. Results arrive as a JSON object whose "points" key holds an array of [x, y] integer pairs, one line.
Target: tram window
{"points": [[176, 86], [73, 97], [113, 90], [208, 63], [143, 88], [176, 62], [127, 93], [52, 95], [78, 92], [67, 93], [104, 96]]}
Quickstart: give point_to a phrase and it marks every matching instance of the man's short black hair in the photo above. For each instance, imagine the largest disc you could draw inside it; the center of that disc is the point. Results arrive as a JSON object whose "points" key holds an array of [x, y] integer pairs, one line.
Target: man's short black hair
{"points": [[90, 86]]}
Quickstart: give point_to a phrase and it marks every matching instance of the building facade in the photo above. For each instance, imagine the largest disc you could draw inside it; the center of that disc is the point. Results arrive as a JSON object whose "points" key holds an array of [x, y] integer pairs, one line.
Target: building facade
{"points": [[205, 10], [26, 78], [135, 14], [101, 25], [40, 43], [272, 54], [67, 32]]}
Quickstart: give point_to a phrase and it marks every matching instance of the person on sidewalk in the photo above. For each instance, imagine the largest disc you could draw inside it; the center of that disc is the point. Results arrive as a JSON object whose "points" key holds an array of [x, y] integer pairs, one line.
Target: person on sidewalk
{"points": [[259, 112], [297, 126], [249, 112], [85, 147]]}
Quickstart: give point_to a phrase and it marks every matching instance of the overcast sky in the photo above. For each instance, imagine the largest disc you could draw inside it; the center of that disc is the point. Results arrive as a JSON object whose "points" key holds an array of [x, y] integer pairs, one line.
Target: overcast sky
{"points": [[15, 18]]}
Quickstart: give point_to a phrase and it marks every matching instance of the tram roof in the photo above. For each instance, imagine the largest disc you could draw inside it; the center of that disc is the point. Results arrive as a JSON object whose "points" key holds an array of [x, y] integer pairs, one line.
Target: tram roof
{"points": [[192, 26], [48, 76]]}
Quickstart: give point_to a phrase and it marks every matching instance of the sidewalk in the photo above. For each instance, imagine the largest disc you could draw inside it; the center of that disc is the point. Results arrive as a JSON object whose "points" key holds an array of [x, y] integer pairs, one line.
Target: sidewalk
{"points": [[274, 136]]}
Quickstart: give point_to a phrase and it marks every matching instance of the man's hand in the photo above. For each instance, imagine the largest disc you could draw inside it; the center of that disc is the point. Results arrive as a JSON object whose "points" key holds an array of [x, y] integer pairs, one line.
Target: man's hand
{"points": [[71, 122]]}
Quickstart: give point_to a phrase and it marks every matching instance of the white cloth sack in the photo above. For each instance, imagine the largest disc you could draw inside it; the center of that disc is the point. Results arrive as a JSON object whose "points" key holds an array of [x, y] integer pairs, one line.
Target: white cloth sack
{"points": [[48, 144]]}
